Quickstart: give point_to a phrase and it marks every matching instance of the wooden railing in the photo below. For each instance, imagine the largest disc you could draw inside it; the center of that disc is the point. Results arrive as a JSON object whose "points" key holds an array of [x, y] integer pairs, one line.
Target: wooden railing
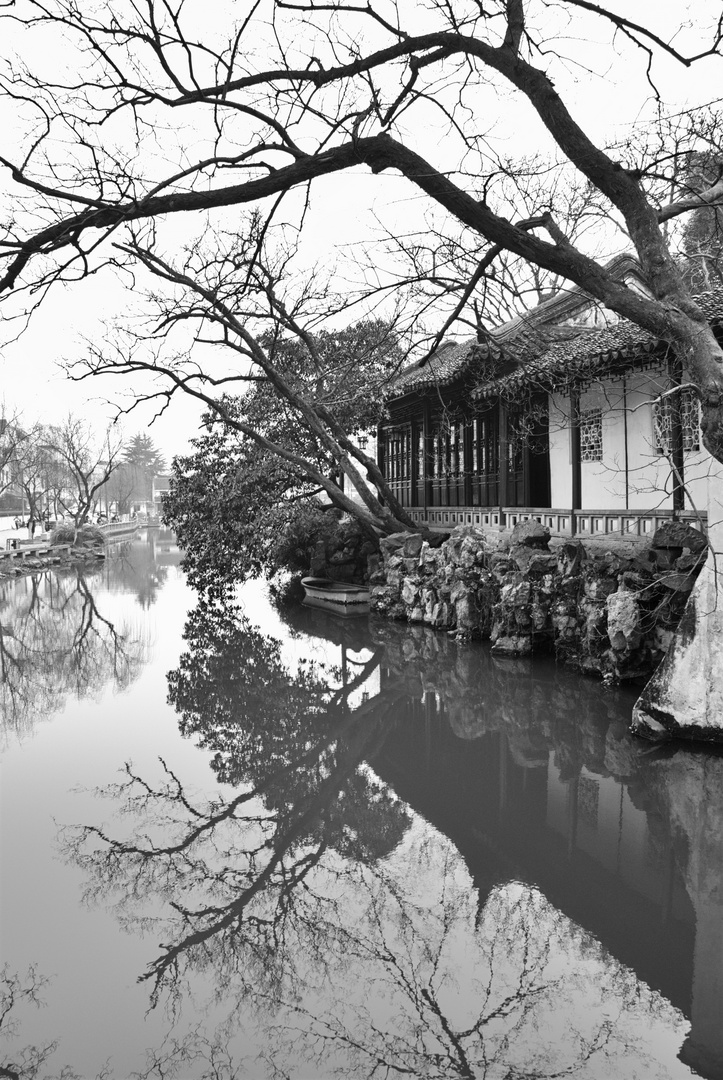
{"points": [[615, 524]]}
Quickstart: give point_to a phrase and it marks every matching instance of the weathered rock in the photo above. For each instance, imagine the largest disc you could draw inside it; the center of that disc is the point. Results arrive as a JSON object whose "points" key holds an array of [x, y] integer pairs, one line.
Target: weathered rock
{"points": [[531, 534], [410, 592], [513, 645], [684, 698], [599, 588], [468, 552], [394, 571], [436, 539], [375, 569], [413, 545], [666, 557], [676, 534], [389, 544], [466, 614], [678, 582], [623, 621], [570, 557], [516, 593], [691, 561]]}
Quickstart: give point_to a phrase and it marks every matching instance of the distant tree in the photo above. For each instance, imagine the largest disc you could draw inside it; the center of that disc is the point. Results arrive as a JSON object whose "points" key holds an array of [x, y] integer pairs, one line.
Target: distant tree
{"points": [[142, 461], [141, 453], [11, 436], [39, 473], [119, 488]]}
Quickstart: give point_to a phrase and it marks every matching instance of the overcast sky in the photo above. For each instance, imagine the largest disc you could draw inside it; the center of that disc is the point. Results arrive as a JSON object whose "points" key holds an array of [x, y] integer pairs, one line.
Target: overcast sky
{"points": [[344, 211]]}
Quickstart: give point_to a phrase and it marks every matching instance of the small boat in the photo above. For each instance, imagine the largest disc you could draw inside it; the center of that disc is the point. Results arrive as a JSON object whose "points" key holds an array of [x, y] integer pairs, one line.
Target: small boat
{"points": [[335, 595]]}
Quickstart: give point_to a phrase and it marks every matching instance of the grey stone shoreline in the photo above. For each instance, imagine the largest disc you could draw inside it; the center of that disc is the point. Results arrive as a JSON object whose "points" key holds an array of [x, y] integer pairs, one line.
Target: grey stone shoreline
{"points": [[57, 557], [605, 613]]}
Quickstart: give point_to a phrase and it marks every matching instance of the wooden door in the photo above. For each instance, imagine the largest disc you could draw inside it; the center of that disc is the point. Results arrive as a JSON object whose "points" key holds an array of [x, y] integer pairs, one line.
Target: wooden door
{"points": [[485, 465]]}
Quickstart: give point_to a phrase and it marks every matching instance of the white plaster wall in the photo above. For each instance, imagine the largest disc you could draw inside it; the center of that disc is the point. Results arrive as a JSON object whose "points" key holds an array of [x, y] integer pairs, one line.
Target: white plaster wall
{"points": [[649, 484], [560, 461], [603, 482]]}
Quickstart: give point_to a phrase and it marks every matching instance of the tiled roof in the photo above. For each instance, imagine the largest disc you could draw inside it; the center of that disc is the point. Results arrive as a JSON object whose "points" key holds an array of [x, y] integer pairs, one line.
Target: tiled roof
{"points": [[527, 357], [446, 365], [591, 353]]}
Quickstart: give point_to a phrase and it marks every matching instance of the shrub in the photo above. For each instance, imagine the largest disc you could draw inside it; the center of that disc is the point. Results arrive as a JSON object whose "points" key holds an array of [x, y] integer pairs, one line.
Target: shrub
{"points": [[85, 534]]}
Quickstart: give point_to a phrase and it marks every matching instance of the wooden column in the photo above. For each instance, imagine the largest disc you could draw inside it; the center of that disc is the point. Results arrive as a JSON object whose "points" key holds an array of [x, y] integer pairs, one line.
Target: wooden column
{"points": [[468, 464], [427, 435], [503, 454], [575, 456], [413, 463]]}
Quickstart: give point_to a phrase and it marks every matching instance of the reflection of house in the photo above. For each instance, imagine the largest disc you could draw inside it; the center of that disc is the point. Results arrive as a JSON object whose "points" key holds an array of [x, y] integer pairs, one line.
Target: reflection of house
{"points": [[164, 548], [557, 416], [590, 842], [531, 774]]}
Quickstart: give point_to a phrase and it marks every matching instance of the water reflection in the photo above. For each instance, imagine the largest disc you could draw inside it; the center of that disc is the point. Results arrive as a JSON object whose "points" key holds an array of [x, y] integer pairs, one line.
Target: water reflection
{"points": [[57, 640], [578, 931]]}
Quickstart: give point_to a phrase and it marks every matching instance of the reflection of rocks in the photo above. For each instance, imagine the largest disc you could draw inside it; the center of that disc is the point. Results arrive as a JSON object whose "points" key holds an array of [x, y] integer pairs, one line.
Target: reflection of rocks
{"points": [[482, 692], [690, 789]]}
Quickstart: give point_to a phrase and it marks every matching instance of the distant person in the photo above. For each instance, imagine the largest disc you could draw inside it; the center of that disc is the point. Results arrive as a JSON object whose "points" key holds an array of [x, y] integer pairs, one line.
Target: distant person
{"points": [[31, 526], [18, 522]]}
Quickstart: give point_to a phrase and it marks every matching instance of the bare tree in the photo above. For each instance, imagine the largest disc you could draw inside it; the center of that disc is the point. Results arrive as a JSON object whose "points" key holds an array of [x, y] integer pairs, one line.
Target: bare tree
{"points": [[120, 487], [88, 461], [278, 125], [39, 473], [11, 436]]}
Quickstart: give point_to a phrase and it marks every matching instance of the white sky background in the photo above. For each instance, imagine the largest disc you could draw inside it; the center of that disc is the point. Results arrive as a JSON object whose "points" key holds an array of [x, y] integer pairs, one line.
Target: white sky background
{"points": [[607, 94]]}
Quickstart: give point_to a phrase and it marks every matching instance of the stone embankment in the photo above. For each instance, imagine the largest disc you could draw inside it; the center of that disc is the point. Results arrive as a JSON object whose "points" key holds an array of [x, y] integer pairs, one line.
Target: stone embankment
{"points": [[27, 561], [607, 614]]}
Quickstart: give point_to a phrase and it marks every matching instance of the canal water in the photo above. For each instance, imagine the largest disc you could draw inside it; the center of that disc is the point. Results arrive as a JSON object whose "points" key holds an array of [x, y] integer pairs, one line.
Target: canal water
{"points": [[251, 842]]}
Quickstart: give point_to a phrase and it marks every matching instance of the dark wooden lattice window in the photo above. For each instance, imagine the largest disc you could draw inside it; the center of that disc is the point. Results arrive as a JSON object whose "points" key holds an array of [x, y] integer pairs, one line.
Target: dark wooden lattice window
{"points": [[591, 441], [689, 421]]}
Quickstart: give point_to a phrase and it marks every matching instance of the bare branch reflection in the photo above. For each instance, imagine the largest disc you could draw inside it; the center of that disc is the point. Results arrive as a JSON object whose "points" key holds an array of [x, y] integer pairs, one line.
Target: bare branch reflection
{"points": [[55, 642], [346, 935]]}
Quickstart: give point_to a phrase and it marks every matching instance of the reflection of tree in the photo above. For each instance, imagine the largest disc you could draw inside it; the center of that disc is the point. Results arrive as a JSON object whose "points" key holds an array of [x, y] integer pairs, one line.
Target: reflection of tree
{"points": [[16, 992], [55, 641], [285, 733], [356, 947], [392, 970], [134, 569], [20, 1060], [441, 990], [236, 870]]}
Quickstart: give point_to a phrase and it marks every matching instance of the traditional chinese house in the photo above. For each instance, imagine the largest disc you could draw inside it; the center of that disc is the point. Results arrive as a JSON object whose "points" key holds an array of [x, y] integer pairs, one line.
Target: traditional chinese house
{"points": [[567, 414]]}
